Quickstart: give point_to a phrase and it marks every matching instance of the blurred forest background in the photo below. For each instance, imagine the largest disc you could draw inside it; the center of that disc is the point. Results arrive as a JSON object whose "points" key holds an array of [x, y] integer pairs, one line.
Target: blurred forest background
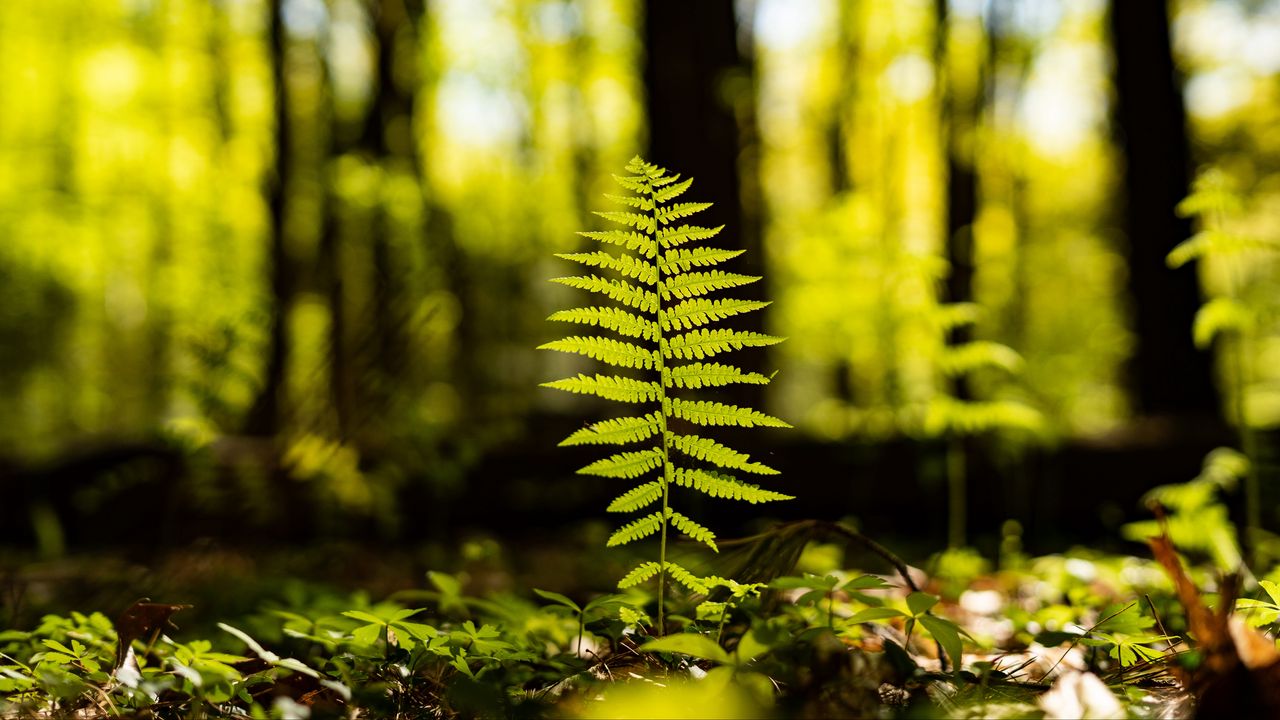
{"points": [[278, 268]]}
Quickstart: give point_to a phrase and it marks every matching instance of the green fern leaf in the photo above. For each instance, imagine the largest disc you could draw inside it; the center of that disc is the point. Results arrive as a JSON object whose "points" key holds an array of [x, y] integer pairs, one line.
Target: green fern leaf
{"points": [[700, 375], [1220, 315], [615, 388], [699, 344], [709, 450], [723, 486], [640, 203], [664, 312], [636, 529], [623, 264], [672, 192], [613, 352], [694, 284], [694, 530], [701, 311], [680, 210], [684, 259], [625, 464], [639, 574], [615, 319], [618, 290], [618, 431], [686, 578], [643, 223], [628, 239], [1216, 242], [637, 497], [673, 237], [957, 360], [704, 412]]}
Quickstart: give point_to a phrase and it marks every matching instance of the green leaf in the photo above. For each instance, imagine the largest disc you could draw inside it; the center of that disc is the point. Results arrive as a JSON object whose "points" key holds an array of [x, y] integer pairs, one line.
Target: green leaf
{"points": [[808, 582], [703, 412], [947, 634], [625, 464], [364, 616], [1272, 589], [867, 615], [618, 431], [556, 597], [698, 646], [606, 350], [921, 602], [866, 582], [367, 634]]}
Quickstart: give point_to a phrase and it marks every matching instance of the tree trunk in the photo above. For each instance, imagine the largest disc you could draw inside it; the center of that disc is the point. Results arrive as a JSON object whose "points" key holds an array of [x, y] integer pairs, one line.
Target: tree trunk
{"points": [[265, 416], [701, 124], [1168, 375], [961, 116]]}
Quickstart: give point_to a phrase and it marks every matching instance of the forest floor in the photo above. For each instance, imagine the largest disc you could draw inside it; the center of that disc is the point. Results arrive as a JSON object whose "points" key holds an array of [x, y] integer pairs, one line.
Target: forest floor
{"points": [[528, 631]]}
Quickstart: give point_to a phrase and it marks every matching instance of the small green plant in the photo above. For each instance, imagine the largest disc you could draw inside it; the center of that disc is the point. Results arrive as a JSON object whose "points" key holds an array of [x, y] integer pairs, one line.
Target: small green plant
{"points": [[1239, 312], [664, 313], [951, 416]]}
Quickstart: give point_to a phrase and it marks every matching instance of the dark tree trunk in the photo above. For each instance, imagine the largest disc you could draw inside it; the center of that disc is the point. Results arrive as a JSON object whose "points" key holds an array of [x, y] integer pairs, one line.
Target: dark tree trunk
{"points": [[1168, 375], [701, 124], [265, 416], [961, 115], [389, 140]]}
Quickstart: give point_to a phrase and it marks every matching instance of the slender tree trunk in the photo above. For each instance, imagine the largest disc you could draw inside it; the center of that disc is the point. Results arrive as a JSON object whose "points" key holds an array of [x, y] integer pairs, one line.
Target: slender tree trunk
{"points": [[389, 140], [961, 116], [266, 415], [1168, 375], [698, 79]]}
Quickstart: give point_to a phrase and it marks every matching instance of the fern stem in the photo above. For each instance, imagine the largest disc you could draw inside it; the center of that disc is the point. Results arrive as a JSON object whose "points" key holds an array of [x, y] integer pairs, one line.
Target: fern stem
{"points": [[660, 366], [958, 493]]}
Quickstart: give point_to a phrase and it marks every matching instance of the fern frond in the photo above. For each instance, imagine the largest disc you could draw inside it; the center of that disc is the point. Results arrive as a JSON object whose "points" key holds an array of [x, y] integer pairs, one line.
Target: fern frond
{"points": [[686, 578], [957, 360], [628, 239], [640, 203], [618, 290], [723, 486], [709, 450], [617, 431], [634, 184], [701, 311], [657, 272], [619, 389], [637, 497], [704, 412], [609, 318], [628, 465], [1218, 315], [625, 265], [672, 192], [694, 284], [636, 529], [673, 237], [680, 210], [699, 344], [950, 316], [613, 352], [945, 414], [641, 222], [700, 375], [1216, 242], [684, 259], [694, 530], [639, 574]]}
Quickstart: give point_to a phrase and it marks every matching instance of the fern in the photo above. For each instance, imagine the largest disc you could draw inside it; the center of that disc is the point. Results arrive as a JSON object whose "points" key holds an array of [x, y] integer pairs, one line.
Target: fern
{"points": [[664, 280]]}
